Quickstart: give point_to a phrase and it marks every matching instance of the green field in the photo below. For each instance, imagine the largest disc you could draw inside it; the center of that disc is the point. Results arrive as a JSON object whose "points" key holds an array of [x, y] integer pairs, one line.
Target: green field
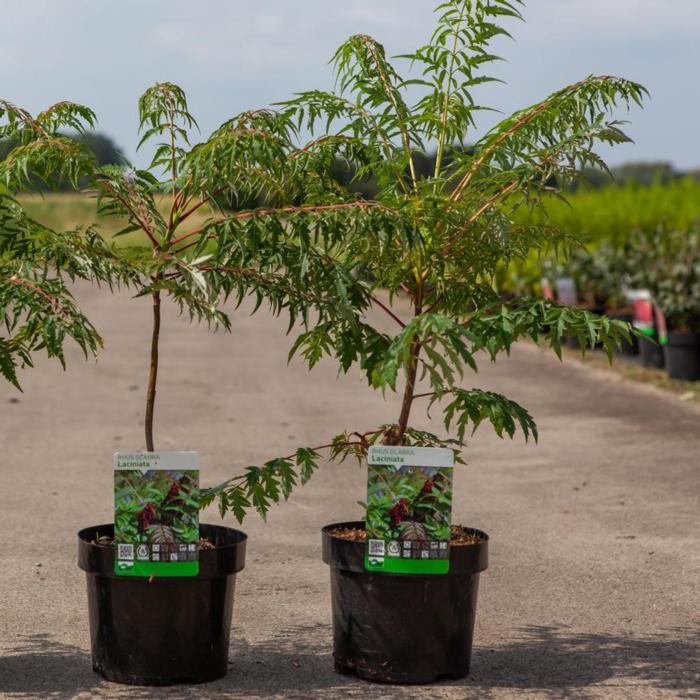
{"points": [[610, 214], [71, 211]]}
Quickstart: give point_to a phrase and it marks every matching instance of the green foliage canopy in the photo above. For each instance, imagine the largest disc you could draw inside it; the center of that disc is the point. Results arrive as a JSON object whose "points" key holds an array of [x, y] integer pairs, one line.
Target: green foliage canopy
{"points": [[429, 261], [38, 311], [424, 250], [667, 263], [270, 253]]}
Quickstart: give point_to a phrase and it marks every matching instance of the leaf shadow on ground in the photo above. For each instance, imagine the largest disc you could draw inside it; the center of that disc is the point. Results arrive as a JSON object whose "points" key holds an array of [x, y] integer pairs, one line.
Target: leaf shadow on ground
{"points": [[547, 662], [39, 666], [553, 662]]}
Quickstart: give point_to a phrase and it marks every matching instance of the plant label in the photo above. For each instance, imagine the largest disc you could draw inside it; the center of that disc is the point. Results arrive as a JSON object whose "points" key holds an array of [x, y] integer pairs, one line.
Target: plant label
{"points": [[156, 514], [409, 509]]}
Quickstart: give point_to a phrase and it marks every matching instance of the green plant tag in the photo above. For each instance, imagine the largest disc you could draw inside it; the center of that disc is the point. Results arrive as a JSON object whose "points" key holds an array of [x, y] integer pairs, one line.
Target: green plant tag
{"points": [[156, 514], [409, 509]]}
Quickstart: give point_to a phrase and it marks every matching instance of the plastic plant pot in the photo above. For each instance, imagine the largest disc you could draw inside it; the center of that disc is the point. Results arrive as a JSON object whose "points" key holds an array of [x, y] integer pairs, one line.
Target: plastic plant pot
{"points": [[651, 353], [683, 356], [169, 630], [400, 628]]}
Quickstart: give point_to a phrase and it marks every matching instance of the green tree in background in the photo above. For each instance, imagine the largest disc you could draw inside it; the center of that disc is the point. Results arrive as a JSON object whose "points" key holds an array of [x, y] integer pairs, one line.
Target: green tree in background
{"points": [[102, 147]]}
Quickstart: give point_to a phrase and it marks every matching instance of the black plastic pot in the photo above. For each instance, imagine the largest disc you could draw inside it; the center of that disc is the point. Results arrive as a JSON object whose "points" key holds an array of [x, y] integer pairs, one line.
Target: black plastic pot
{"points": [[171, 630], [651, 353], [683, 355], [399, 628]]}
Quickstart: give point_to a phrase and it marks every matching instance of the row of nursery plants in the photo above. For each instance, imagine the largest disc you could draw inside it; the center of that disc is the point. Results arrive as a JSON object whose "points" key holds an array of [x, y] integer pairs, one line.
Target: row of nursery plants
{"points": [[649, 277], [422, 255]]}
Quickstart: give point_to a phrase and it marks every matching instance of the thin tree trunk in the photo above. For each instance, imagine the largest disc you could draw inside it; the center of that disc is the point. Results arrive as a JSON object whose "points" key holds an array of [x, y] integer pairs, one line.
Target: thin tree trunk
{"points": [[397, 437], [153, 375]]}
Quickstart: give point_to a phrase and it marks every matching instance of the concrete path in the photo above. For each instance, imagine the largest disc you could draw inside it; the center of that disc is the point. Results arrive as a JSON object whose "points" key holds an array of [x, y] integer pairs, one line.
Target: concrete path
{"points": [[594, 584]]}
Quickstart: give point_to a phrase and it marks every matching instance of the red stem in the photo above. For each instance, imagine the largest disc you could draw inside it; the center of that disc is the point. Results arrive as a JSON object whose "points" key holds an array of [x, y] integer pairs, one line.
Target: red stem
{"points": [[395, 437], [153, 374], [388, 310]]}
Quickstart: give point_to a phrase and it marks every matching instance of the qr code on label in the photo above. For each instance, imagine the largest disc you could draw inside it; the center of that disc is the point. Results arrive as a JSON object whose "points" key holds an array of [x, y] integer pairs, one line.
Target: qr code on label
{"points": [[376, 548], [125, 552]]}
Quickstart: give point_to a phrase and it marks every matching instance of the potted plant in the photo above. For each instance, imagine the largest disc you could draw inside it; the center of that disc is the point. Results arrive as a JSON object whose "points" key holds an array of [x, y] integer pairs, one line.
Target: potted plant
{"points": [[651, 352], [427, 267], [666, 263], [250, 193], [611, 280]]}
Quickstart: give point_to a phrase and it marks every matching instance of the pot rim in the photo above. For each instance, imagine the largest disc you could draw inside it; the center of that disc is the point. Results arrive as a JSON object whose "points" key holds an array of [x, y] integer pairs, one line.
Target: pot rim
{"points": [[348, 555], [84, 535], [684, 338], [224, 560], [360, 525]]}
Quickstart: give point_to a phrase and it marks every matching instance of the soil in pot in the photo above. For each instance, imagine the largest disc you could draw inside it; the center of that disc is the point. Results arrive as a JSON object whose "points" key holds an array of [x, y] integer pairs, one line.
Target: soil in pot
{"points": [[165, 630], [399, 628], [683, 355]]}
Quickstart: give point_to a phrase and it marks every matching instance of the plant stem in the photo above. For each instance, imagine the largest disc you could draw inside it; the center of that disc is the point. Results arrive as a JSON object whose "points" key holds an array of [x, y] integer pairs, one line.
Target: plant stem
{"points": [[385, 308], [396, 437], [153, 374], [407, 402]]}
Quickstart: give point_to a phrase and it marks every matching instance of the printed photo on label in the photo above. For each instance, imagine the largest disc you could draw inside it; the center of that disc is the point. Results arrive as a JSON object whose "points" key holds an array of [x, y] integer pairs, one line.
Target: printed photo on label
{"points": [[156, 514], [409, 514]]}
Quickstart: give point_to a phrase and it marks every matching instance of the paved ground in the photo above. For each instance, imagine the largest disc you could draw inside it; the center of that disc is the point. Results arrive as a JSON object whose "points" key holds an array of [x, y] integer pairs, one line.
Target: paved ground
{"points": [[594, 584]]}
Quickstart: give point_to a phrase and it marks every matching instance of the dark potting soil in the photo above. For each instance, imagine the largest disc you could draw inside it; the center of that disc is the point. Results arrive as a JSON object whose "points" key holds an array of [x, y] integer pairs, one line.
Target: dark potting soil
{"points": [[461, 535]]}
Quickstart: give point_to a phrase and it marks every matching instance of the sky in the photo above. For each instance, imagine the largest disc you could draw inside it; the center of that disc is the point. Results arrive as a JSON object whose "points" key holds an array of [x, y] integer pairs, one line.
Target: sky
{"points": [[231, 55]]}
